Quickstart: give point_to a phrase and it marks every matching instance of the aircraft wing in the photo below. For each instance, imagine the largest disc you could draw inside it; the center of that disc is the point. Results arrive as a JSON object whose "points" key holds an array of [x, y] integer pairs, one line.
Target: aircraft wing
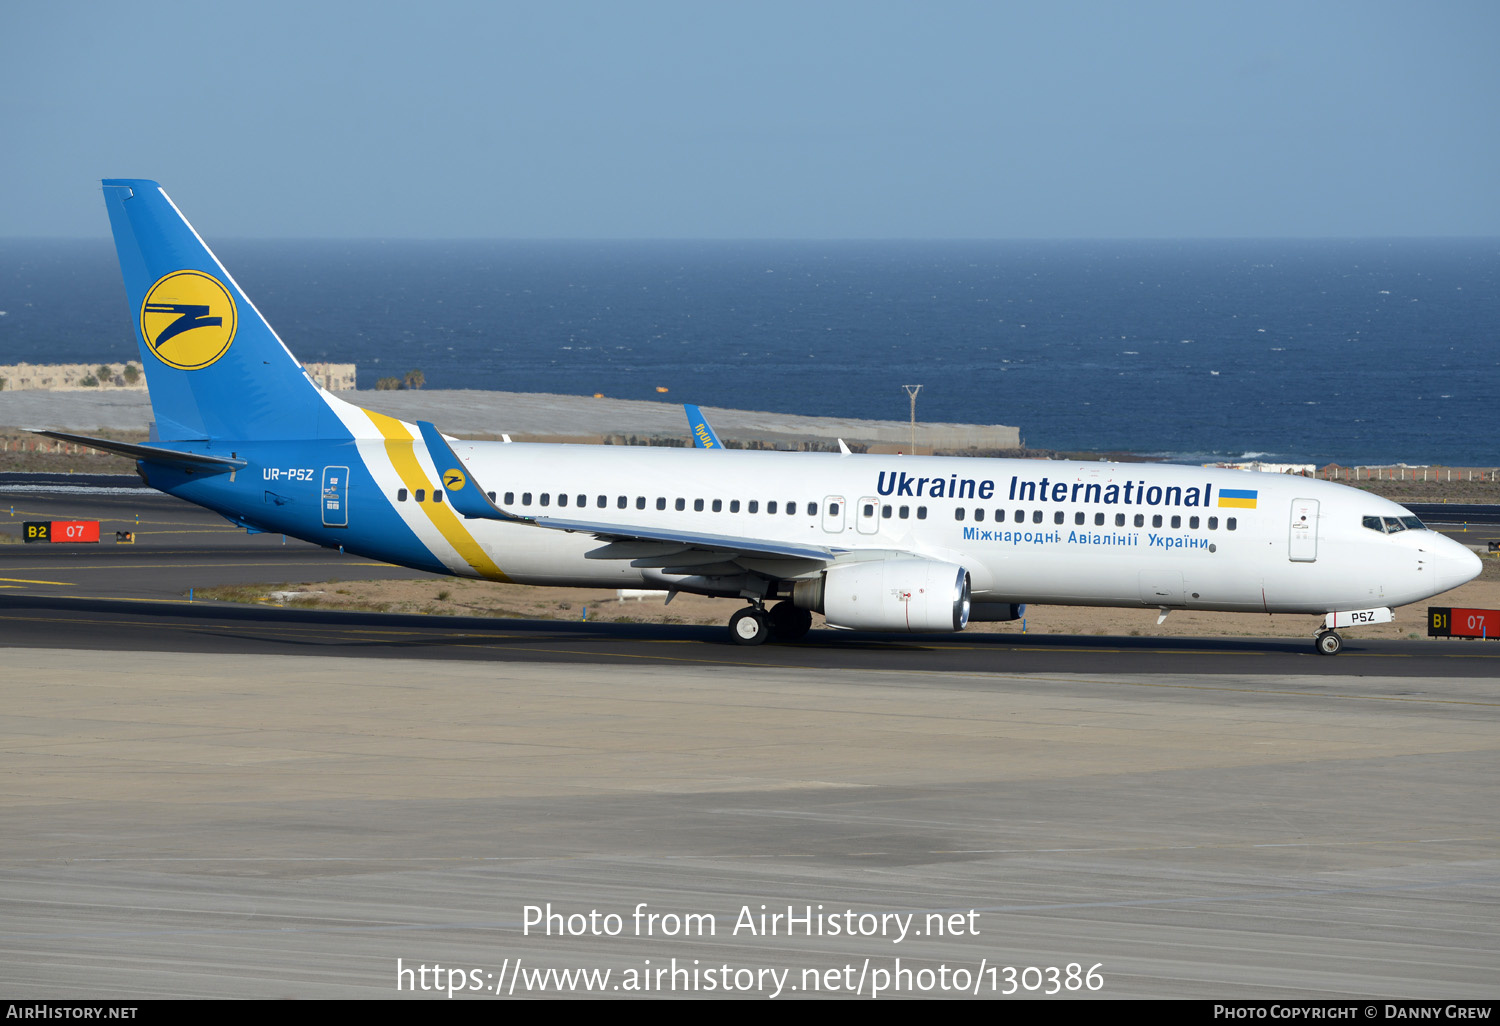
{"points": [[653, 546], [682, 540]]}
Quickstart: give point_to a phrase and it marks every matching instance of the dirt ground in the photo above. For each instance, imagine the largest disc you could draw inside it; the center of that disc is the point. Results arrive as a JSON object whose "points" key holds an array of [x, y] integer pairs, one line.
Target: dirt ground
{"points": [[454, 597]]}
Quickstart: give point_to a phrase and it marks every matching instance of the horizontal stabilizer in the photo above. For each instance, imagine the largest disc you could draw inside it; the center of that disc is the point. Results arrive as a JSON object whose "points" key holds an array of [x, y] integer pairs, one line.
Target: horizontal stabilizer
{"points": [[151, 453]]}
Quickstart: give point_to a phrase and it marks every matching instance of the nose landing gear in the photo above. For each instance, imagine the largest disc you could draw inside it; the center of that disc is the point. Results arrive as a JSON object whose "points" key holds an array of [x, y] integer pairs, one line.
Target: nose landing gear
{"points": [[1328, 642]]}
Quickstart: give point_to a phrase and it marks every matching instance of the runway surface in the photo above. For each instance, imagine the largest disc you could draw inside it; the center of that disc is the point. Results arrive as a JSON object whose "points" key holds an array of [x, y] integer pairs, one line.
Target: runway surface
{"points": [[205, 800]]}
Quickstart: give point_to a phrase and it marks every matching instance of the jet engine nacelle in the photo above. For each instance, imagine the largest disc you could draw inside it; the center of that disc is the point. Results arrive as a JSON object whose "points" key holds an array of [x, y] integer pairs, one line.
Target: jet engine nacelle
{"points": [[889, 595]]}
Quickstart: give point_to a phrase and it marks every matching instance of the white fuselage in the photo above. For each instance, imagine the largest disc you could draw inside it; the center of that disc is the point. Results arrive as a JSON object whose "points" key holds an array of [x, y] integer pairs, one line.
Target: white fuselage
{"points": [[1027, 531]]}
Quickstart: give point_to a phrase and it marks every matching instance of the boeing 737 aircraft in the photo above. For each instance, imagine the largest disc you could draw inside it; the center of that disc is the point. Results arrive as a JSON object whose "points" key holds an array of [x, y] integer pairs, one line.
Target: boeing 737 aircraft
{"points": [[872, 542]]}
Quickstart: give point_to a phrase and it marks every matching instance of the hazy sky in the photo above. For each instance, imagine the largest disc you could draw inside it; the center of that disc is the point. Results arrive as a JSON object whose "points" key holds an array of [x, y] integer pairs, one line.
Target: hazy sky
{"points": [[832, 119]]}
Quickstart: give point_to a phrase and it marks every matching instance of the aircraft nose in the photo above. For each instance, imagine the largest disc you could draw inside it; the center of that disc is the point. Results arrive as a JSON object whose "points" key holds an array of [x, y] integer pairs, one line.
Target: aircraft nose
{"points": [[1456, 564]]}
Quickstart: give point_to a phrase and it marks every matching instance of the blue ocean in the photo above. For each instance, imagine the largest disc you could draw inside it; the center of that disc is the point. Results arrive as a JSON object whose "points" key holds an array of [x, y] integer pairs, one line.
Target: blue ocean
{"points": [[1362, 351]]}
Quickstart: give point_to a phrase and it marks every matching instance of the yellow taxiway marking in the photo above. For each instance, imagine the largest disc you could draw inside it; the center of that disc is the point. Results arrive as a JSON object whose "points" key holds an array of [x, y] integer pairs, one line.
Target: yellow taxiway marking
{"points": [[22, 580]]}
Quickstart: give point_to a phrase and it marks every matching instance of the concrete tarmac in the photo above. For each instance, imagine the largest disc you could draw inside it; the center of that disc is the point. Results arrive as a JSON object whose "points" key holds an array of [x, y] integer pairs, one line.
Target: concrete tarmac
{"points": [[291, 826], [248, 803]]}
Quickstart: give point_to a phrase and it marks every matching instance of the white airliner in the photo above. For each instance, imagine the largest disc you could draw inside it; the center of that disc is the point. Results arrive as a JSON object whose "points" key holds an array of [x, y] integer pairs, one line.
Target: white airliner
{"points": [[878, 543]]}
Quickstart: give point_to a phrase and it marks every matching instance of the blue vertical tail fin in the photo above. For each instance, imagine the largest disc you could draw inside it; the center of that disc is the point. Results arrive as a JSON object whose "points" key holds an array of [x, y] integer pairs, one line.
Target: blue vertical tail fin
{"points": [[704, 436], [214, 367]]}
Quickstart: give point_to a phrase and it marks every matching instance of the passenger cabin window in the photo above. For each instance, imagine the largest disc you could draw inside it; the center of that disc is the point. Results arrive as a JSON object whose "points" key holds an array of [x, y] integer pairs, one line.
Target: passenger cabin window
{"points": [[1140, 520], [958, 513], [510, 498], [753, 506], [562, 499], [869, 509], [999, 516], [1098, 519], [437, 495], [546, 498], [680, 504], [661, 502], [1057, 517], [526, 498], [734, 505], [904, 512], [771, 506], [1036, 516], [1156, 520], [1119, 519], [421, 494], [603, 501], [791, 509], [833, 509], [718, 505], [1078, 518], [978, 515], [1213, 523], [401, 497], [697, 505], [1231, 523], [812, 509], [640, 502], [921, 512]]}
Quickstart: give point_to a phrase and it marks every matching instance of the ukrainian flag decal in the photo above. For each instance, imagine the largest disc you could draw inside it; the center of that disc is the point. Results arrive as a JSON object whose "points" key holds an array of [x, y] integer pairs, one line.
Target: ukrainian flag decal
{"points": [[1242, 498]]}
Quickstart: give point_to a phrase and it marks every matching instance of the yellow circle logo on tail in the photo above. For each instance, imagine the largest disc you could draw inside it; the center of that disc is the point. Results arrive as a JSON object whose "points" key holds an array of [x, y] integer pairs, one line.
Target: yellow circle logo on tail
{"points": [[453, 480], [188, 319]]}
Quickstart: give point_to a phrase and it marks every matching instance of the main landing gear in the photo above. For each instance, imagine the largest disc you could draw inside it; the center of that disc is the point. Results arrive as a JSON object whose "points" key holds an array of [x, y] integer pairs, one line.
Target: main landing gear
{"points": [[1328, 642], [753, 625]]}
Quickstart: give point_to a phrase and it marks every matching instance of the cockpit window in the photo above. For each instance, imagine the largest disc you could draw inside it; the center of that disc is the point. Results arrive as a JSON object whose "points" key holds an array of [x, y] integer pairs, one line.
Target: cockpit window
{"points": [[1391, 525]]}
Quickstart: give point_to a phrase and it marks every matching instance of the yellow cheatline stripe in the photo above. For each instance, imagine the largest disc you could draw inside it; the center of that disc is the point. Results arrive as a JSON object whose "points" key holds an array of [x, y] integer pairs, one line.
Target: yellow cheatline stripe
{"points": [[398, 446]]}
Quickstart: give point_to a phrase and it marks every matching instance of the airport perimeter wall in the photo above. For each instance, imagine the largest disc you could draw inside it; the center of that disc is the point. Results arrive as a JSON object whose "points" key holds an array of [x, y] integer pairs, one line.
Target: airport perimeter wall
{"points": [[527, 416], [67, 377]]}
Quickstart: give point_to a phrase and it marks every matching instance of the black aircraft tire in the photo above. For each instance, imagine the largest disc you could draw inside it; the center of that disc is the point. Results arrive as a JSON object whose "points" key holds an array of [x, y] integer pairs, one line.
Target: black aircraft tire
{"points": [[749, 627], [789, 623], [1328, 643]]}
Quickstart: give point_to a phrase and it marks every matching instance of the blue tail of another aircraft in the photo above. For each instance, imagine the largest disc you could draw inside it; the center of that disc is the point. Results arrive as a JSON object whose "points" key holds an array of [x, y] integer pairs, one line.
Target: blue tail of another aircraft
{"points": [[704, 436], [214, 367]]}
